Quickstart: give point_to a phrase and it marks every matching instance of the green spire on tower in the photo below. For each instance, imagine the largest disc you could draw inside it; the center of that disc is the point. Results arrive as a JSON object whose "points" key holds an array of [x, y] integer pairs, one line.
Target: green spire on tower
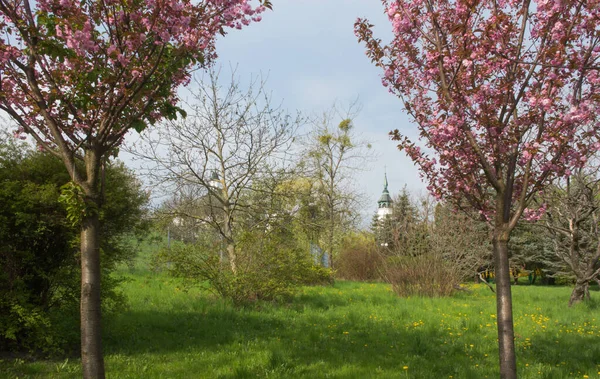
{"points": [[385, 182], [385, 201]]}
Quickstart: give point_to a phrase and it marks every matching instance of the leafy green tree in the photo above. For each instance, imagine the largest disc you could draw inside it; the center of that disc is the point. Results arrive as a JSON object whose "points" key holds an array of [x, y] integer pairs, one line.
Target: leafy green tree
{"points": [[39, 257], [406, 221], [399, 231], [532, 252], [381, 227], [304, 195]]}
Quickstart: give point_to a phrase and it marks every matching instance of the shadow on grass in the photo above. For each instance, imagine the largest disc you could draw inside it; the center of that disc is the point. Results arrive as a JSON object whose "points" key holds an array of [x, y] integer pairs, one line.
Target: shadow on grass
{"points": [[324, 331], [141, 332], [286, 350], [308, 338]]}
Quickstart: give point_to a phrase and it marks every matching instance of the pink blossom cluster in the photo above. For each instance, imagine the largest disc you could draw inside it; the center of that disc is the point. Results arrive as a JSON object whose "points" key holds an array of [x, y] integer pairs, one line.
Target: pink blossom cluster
{"points": [[93, 68], [489, 82], [534, 214]]}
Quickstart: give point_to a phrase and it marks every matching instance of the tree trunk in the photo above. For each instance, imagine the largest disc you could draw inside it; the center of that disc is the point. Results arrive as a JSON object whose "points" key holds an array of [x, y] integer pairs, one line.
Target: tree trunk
{"points": [[506, 334], [331, 237], [91, 328], [92, 360], [580, 292], [227, 234], [232, 257]]}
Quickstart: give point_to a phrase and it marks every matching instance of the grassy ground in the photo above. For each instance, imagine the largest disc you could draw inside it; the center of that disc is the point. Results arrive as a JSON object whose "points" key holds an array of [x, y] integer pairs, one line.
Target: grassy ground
{"points": [[350, 330]]}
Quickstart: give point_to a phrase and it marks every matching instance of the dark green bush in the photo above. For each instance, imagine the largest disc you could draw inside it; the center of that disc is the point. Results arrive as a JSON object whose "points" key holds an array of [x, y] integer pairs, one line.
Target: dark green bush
{"points": [[39, 259]]}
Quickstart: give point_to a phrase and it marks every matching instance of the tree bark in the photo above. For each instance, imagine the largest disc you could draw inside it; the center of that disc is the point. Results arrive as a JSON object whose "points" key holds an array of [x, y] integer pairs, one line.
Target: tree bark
{"points": [[227, 233], [92, 360], [232, 257], [506, 334], [331, 227], [580, 292], [91, 329]]}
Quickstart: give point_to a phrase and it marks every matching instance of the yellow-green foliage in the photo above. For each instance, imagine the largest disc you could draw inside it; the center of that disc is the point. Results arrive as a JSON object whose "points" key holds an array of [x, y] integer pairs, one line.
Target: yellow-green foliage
{"points": [[270, 266]]}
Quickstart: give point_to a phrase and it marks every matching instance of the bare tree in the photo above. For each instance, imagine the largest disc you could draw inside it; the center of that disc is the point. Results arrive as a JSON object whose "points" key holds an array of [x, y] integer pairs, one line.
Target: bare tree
{"points": [[461, 240], [333, 154], [433, 247], [573, 224], [232, 146]]}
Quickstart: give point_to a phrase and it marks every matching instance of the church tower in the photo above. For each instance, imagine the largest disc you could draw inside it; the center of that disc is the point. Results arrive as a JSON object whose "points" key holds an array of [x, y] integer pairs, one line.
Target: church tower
{"points": [[384, 205]]}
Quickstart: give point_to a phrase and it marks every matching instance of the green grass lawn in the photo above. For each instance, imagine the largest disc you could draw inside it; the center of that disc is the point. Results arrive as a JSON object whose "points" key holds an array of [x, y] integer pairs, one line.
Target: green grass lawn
{"points": [[350, 330]]}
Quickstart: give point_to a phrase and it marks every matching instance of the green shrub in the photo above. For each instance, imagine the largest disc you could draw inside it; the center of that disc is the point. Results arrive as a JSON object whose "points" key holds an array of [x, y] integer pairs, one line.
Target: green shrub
{"points": [[270, 266], [39, 260], [314, 275]]}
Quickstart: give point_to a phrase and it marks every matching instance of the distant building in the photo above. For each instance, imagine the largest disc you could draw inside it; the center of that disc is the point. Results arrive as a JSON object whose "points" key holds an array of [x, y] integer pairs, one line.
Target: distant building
{"points": [[384, 205], [214, 181]]}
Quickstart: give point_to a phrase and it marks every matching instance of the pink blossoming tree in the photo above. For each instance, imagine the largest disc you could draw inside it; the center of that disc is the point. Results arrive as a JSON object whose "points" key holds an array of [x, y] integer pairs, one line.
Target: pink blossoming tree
{"points": [[504, 94], [77, 75]]}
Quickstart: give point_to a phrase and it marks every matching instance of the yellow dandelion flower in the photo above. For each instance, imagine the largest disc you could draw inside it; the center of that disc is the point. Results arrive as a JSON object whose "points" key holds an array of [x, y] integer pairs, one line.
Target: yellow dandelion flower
{"points": [[405, 367]]}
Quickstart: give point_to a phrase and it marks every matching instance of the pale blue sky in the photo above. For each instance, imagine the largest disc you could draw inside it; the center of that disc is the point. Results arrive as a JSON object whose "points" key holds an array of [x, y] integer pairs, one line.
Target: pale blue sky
{"points": [[313, 59]]}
